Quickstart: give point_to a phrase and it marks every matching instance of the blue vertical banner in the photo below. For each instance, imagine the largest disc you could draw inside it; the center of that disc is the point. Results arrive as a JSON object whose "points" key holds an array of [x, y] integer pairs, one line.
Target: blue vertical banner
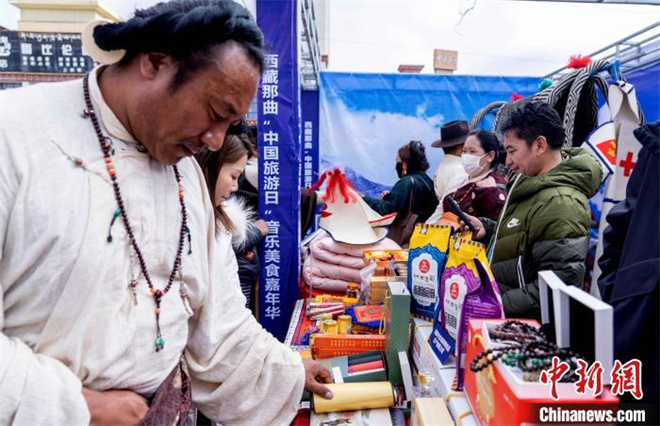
{"points": [[279, 164], [310, 136], [310, 139]]}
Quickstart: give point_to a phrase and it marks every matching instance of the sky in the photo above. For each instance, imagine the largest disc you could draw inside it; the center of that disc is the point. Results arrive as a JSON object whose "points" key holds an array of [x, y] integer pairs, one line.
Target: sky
{"points": [[507, 38], [495, 37]]}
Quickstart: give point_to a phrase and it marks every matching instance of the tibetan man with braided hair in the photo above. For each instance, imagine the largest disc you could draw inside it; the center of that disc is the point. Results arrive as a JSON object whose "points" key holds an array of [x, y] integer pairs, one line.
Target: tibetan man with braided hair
{"points": [[114, 307]]}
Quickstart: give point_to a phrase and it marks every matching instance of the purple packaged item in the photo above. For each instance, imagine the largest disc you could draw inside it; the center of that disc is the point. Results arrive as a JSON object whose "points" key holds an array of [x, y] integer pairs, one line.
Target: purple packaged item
{"points": [[467, 291]]}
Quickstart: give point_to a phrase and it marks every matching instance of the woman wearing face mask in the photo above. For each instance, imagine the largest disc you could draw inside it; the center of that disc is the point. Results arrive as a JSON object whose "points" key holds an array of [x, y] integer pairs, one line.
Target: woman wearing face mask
{"points": [[237, 227], [411, 166], [483, 191]]}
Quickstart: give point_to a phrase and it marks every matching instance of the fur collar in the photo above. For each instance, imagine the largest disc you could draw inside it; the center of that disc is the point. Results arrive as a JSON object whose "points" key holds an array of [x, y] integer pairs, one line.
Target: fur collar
{"points": [[243, 218]]}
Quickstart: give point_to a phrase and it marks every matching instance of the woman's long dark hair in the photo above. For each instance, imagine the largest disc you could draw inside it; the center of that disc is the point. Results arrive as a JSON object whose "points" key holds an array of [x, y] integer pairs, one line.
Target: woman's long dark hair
{"points": [[414, 154], [490, 143], [233, 149]]}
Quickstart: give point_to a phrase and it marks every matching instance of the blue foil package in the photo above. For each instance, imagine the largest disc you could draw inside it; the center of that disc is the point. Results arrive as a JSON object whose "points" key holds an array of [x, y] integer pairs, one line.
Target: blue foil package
{"points": [[427, 257]]}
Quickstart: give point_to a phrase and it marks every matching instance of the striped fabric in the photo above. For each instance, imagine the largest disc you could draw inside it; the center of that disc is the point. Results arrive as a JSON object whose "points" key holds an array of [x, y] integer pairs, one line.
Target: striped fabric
{"points": [[483, 112], [574, 97]]}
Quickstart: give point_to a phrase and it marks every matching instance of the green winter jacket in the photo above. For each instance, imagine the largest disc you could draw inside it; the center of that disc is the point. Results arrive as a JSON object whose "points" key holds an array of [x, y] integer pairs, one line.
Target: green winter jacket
{"points": [[545, 227]]}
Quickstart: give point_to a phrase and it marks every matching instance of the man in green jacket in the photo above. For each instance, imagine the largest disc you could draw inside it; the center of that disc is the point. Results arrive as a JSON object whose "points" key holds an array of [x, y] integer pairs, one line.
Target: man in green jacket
{"points": [[546, 219]]}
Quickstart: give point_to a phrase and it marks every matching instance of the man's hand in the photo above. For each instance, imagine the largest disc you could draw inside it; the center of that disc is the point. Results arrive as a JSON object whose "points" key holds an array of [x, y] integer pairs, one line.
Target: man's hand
{"points": [[385, 195], [479, 230], [315, 374], [115, 407]]}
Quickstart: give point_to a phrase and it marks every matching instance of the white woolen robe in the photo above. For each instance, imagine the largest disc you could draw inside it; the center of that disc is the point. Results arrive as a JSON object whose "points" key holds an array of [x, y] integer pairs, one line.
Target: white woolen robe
{"points": [[68, 317]]}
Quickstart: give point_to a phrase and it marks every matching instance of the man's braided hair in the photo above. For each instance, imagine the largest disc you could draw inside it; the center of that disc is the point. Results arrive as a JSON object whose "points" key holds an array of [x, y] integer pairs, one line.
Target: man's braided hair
{"points": [[187, 30]]}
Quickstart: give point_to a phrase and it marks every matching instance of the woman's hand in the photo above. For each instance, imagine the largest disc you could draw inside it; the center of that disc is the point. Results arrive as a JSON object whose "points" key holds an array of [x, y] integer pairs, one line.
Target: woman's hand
{"points": [[115, 407], [262, 226]]}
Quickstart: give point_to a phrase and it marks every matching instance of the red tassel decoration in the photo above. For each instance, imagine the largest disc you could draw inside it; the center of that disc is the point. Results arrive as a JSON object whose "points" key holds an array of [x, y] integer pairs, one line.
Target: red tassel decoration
{"points": [[337, 179], [324, 211], [317, 185], [578, 61]]}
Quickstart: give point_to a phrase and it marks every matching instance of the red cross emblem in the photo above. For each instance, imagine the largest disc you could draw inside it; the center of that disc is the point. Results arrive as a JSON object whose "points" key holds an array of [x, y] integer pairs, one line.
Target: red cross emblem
{"points": [[627, 164]]}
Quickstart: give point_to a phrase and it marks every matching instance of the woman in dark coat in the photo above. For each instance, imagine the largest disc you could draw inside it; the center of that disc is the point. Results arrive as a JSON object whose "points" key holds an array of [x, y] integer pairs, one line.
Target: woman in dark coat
{"points": [[483, 192], [631, 273], [411, 167]]}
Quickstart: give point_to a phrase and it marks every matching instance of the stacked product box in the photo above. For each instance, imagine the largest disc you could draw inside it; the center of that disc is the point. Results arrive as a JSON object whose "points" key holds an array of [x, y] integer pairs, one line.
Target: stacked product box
{"points": [[396, 327], [426, 361], [362, 367], [382, 267]]}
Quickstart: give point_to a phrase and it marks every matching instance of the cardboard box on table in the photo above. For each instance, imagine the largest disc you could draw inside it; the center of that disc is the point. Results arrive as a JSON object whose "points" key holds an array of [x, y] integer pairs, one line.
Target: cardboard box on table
{"points": [[333, 345], [419, 348], [338, 367], [382, 258], [550, 287], [499, 396], [591, 323], [426, 360], [431, 412], [381, 268], [376, 291]]}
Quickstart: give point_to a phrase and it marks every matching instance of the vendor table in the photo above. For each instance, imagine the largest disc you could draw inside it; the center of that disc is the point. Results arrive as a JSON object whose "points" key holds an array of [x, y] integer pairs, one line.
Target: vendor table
{"points": [[424, 360]]}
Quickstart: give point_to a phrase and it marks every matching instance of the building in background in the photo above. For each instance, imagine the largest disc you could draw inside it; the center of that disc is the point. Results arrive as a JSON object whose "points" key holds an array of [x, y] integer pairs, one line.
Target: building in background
{"points": [[410, 69], [323, 30], [47, 46], [60, 16], [445, 61]]}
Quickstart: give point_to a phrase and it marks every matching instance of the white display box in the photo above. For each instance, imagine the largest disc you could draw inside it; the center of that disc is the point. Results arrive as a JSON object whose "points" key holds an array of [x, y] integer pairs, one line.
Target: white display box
{"points": [[552, 301], [590, 331], [582, 322]]}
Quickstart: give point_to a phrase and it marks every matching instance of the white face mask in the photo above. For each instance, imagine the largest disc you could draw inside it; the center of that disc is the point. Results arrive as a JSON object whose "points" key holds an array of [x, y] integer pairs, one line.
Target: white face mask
{"points": [[471, 163]]}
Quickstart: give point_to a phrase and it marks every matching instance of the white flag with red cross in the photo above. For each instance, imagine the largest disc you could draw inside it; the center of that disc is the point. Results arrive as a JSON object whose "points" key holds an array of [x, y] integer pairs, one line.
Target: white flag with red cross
{"points": [[617, 149]]}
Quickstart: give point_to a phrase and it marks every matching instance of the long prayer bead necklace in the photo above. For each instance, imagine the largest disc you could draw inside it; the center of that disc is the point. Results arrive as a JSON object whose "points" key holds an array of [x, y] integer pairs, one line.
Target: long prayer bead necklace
{"points": [[106, 147], [516, 331], [525, 348]]}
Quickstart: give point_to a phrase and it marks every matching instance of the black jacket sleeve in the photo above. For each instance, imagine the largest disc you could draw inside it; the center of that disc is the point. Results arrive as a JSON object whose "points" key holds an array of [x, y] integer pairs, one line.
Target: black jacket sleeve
{"points": [[615, 234], [490, 226], [397, 201]]}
